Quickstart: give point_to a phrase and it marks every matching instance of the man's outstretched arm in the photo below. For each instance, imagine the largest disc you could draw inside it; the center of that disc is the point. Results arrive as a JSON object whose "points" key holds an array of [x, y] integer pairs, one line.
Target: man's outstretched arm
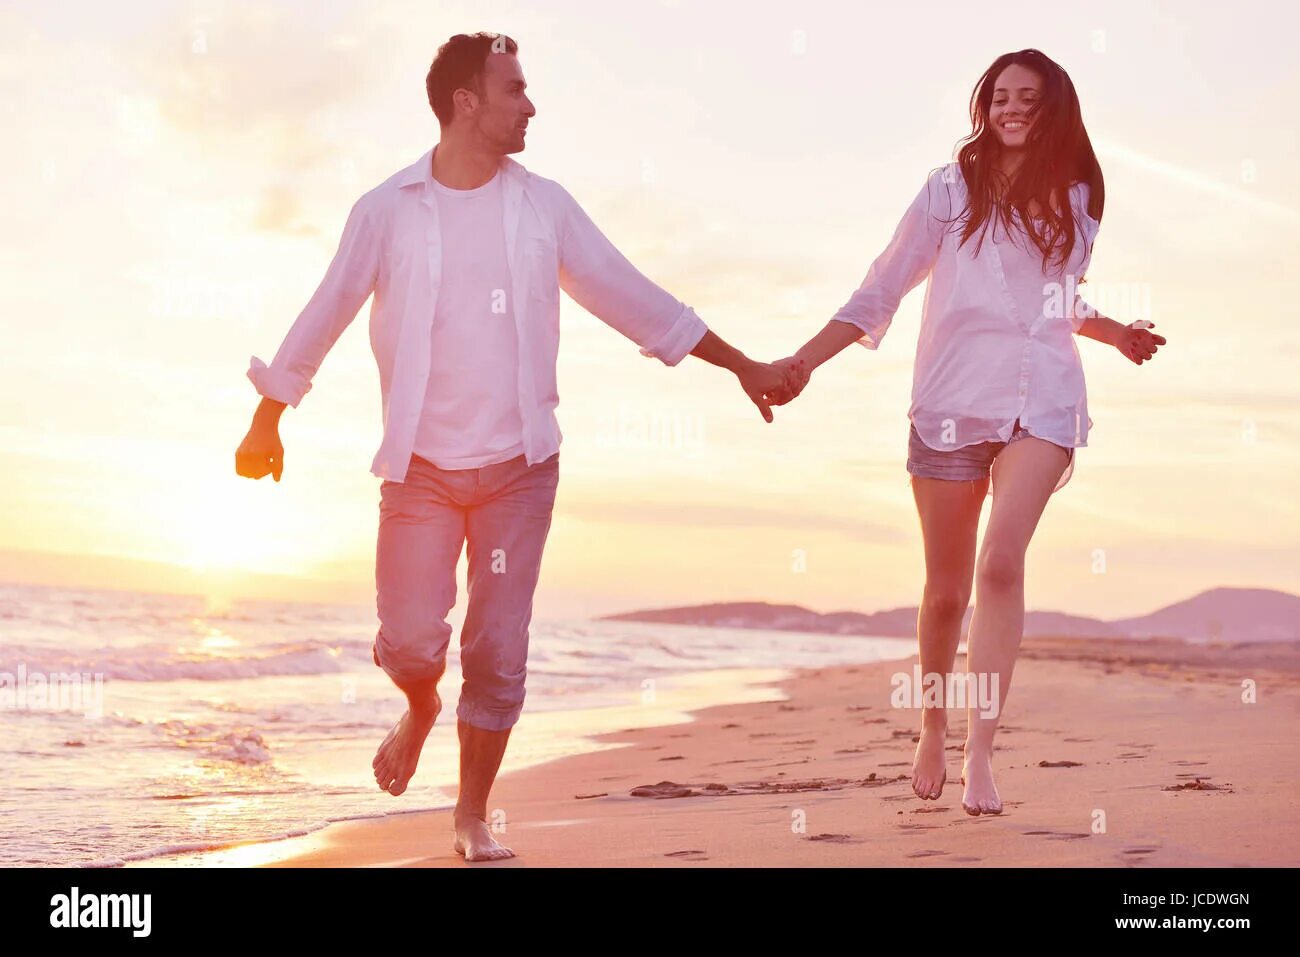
{"points": [[348, 282], [601, 280]]}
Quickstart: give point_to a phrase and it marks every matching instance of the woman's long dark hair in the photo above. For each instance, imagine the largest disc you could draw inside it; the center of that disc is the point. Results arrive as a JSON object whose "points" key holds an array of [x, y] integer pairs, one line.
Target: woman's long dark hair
{"points": [[1058, 155]]}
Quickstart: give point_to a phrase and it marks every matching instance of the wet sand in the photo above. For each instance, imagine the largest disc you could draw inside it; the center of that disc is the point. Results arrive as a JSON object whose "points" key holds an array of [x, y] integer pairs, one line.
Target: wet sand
{"points": [[1111, 753]]}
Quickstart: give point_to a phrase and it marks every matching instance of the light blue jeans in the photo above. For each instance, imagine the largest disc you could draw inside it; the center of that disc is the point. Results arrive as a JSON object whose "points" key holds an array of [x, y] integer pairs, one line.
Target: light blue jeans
{"points": [[504, 512]]}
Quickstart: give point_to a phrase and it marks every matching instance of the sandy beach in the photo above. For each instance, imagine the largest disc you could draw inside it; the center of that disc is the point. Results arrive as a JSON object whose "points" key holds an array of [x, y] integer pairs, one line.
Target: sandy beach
{"points": [[1111, 754]]}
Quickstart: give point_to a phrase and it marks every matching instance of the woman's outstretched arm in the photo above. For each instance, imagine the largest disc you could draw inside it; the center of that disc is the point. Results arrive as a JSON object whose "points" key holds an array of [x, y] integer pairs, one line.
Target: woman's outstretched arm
{"points": [[906, 261], [1134, 341], [836, 336]]}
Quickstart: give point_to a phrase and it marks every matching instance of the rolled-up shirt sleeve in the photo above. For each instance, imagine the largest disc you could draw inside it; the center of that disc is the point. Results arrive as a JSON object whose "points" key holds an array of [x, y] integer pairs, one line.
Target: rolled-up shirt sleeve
{"points": [[348, 282], [906, 261], [1080, 310], [601, 280]]}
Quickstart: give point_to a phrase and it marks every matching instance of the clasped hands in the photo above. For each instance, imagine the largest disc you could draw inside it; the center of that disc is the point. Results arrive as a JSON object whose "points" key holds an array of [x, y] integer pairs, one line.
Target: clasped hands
{"points": [[774, 383]]}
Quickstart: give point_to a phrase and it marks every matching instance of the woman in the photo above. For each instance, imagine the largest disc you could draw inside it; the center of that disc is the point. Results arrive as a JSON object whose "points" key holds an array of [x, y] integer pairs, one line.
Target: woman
{"points": [[1004, 234]]}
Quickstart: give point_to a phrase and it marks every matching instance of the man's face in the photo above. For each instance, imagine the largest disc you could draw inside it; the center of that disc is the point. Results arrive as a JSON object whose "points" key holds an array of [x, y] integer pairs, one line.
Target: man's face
{"points": [[504, 108]]}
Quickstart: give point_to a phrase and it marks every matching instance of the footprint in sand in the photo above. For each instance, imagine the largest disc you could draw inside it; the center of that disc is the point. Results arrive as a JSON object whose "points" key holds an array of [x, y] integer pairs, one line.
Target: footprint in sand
{"points": [[664, 789], [1200, 784], [673, 757], [833, 838], [672, 789], [1060, 764], [928, 854], [1056, 835], [688, 855]]}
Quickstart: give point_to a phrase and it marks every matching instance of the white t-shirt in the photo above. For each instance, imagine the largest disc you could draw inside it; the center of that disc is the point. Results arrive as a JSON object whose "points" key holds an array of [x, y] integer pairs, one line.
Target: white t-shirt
{"points": [[996, 342], [470, 416]]}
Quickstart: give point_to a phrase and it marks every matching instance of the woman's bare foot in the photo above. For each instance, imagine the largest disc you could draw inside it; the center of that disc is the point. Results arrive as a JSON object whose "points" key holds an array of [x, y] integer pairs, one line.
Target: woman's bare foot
{"points": [[399, 754], [981, 794], [474, 839], [928, 771]]}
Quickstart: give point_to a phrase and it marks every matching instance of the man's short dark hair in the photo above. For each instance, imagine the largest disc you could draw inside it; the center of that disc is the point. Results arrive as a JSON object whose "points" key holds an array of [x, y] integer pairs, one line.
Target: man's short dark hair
{"points": [[459, 65]]}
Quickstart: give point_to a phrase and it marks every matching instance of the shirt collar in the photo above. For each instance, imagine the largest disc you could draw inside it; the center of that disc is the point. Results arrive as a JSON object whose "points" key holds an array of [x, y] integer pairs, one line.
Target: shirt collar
{"points": [[421, 171]]}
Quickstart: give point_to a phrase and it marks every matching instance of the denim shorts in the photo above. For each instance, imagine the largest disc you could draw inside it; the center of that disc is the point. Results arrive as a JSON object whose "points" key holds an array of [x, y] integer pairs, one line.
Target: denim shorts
{"points": [[966, 464]]}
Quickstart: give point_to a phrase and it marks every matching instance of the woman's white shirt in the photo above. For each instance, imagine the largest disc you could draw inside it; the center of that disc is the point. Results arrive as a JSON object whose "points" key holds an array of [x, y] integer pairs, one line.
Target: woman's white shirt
{"points": [[996, 342]]}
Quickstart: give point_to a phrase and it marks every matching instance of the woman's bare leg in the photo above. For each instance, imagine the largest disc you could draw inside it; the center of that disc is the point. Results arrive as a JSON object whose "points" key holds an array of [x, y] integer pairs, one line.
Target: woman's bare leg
{"points": [[1024, 475], [950, 516]]}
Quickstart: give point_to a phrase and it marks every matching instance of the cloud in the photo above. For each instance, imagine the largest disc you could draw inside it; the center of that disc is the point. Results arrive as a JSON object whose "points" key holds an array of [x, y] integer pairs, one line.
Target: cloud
{"points": [[263, 95], [263, 74]]}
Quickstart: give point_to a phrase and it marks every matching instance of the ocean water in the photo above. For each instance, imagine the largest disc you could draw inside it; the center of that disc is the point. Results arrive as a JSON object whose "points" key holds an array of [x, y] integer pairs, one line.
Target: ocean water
{"points": [[196, 727]]}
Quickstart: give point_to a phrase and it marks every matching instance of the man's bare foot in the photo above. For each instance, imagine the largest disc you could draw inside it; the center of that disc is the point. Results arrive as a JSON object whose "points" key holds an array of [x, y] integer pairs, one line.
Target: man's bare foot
{"points": [[928, 771], [474, 839], [981, 794], [398, 756]]}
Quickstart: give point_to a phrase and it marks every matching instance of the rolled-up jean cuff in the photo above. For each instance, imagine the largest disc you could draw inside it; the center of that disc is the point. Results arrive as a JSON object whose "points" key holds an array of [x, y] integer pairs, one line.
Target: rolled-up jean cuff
{"points": [[488, 719], [409, 675]]}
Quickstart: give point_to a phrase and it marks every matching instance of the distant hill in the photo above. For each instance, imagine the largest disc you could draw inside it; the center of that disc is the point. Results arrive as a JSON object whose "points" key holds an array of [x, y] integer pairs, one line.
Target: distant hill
{"points": [[1221, 614]]}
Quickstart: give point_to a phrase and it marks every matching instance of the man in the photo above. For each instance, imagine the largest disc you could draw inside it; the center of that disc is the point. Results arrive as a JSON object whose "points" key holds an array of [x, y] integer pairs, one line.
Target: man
{"points": [[465, 252]]}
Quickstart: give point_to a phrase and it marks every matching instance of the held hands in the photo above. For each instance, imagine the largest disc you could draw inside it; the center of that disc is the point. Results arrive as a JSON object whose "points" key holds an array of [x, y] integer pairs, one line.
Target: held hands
{"points": [[797, 373], [1136, 343], [773, 383]]}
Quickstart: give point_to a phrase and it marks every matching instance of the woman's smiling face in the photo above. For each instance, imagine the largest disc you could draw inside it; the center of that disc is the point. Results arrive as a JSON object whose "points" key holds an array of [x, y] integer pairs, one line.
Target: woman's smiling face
{"points": [[1015, 91]]}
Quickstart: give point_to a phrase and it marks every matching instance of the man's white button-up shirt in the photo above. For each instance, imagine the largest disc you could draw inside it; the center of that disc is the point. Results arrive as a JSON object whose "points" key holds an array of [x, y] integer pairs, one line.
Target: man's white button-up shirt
{"points": [[390, 248]]}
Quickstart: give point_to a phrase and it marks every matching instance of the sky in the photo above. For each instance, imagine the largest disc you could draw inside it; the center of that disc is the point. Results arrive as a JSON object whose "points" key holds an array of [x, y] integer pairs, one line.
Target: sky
{"points": [[176, 176]]}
